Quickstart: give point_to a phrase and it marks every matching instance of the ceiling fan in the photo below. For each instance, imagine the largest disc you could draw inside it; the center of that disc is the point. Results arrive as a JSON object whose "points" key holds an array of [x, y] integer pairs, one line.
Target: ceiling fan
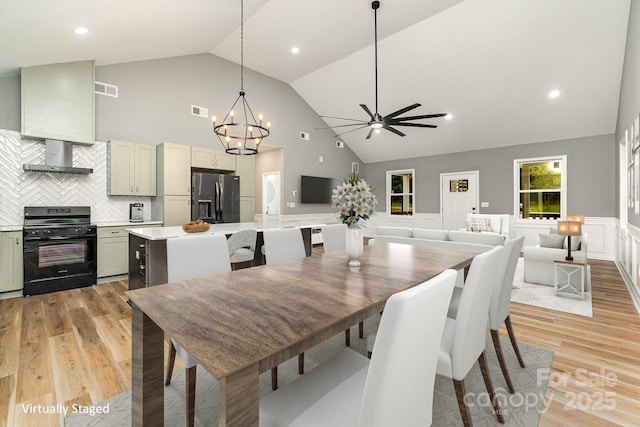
{"points": [[389, 121]]}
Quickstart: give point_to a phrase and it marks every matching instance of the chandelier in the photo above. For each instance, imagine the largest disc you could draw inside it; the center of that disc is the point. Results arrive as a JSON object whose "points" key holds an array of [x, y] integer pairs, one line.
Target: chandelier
{"points": [[242, 134]]}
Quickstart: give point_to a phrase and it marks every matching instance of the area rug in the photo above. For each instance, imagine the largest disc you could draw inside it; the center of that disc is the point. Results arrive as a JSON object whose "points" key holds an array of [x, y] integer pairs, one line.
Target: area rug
{"points": [[544, 296], [520, 409]]}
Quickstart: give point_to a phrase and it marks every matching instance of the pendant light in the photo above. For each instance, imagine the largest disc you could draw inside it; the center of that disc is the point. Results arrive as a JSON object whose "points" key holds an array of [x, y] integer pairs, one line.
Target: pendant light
{"points": [[240, 133]]}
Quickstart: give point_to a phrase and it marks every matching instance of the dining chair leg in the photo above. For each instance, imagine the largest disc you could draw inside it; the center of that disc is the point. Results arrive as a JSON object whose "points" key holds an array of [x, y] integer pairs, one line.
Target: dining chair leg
{"points": [[274, 378], [361, 329], [462, 406], [301, 363], [347, 337], [489, 385], [171, 361], [514, 343], [191, 395], [495, 336]]}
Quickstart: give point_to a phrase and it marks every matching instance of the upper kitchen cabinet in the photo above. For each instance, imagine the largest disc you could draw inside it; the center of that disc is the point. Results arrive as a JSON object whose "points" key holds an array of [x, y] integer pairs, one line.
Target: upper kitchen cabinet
{"points": [[208, 158], [245, 169], [131, 169], [174, 169], [58, 101]]}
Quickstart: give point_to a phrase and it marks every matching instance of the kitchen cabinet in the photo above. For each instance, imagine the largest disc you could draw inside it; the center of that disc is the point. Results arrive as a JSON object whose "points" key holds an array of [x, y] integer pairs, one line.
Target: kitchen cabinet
{"points": [[113, 250], [131, 169], [58, 101], [247, 208], [245, 169], [208, 158], [175, 210], [174, 169], [11, 274]]}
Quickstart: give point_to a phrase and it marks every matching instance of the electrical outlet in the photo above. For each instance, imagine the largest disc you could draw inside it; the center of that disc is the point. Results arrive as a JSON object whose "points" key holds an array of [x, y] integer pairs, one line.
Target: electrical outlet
{"points": [[304, 135], [339, 144], [292, 204]]}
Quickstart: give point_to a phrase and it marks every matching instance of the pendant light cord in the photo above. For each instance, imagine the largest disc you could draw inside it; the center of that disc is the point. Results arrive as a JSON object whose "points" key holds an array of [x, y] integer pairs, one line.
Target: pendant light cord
{"points": [[241, 46]]}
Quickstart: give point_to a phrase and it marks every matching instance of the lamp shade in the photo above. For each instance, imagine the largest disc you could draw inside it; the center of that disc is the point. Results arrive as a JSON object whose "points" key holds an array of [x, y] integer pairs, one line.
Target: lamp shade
{"points": [[569, 228], [576, 218]]}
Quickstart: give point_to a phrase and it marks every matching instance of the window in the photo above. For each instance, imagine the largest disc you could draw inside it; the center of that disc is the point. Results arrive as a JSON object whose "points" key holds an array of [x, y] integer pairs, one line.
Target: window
{"points": [[400, 192], [540, 185]]}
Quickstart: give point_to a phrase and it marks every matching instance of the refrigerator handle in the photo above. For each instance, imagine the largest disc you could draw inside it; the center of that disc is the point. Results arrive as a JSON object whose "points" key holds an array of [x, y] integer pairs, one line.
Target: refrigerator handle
{"points": [[217, 201]]}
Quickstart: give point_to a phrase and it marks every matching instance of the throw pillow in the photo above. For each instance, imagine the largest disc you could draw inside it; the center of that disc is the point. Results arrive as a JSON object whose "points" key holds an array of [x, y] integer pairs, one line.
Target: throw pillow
{"points": [[478, 224], [551, 241]]}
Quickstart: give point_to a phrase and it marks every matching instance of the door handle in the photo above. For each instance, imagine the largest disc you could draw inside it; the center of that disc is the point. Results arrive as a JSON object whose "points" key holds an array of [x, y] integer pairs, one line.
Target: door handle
{"points": [[17, 240]]}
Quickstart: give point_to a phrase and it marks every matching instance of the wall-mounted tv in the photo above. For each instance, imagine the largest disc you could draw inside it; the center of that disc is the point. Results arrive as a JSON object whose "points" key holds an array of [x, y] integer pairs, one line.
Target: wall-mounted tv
{"points": [[315, 189]]}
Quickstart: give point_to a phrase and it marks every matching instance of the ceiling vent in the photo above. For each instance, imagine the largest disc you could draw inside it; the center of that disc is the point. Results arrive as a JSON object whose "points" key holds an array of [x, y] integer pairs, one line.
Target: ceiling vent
{"points": [[106, 89]]}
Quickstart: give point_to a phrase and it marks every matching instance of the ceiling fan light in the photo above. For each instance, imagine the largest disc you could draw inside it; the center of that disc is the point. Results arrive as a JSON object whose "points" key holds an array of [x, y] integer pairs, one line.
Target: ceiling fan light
{"points": [[376, 125]]}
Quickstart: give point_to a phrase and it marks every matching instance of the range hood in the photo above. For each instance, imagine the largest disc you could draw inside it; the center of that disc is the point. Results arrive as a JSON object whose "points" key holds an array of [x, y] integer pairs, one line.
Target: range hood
{"points": [[58, 159]]}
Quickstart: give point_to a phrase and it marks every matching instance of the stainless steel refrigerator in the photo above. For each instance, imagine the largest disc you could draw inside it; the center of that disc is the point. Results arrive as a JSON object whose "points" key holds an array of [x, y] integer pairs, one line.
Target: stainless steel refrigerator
{"points": [[215, 198]]}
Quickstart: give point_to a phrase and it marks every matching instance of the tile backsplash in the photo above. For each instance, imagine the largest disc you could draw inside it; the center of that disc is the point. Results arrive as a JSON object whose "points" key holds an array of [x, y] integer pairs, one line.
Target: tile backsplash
{"points": [[19, 188]]}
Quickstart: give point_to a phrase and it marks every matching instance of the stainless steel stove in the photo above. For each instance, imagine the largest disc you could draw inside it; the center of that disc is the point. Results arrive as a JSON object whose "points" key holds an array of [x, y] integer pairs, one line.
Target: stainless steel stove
{"points": [[59, 248]]}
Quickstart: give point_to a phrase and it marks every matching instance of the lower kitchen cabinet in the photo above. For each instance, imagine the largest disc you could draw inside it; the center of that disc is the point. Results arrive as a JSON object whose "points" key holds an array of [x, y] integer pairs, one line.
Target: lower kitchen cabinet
{"points": [[113, 250], [247, 209], [11, 274]]}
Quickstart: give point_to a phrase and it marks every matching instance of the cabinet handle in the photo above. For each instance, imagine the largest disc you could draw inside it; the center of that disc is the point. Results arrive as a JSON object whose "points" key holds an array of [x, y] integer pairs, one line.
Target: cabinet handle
{"points": [[137, 189], [115, 232], [132, 188], [17, 240]]}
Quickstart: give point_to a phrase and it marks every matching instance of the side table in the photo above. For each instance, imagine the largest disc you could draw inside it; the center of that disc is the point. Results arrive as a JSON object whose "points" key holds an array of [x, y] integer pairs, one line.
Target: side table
{"points": [[569, 277]]}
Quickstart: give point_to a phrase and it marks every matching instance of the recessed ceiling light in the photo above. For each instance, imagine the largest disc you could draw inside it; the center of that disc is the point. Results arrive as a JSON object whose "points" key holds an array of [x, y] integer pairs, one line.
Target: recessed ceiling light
{"points": [[448, 117], [295, 50], [81, 31], [554, 93]]}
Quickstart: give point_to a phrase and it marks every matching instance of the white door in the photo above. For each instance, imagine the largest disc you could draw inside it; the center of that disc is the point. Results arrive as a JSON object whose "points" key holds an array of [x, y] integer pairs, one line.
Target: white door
{"points": [[271, 193], [458, 197]]}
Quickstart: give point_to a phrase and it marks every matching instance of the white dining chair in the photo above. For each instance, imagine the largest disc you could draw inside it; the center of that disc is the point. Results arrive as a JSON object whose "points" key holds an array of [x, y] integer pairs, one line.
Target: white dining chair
{"points": [[500, 305], [242, 247], [283, 244], [191, 257], [463, 340], [394, 388], [334, 238]]}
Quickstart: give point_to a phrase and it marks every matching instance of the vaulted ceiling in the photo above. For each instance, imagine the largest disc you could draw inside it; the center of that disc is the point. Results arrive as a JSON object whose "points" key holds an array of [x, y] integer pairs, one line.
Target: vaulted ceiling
{"points": [[490, 63]]}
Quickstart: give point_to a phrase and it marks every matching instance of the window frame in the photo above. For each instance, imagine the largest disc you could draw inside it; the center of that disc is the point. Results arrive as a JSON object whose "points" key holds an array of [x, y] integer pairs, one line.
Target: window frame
{"points": [[412, 193], [563, 187]]}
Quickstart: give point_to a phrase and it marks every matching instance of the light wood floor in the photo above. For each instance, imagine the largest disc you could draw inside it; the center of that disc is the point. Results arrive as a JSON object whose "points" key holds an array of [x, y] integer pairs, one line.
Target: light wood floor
{"points": [[75, 347]]}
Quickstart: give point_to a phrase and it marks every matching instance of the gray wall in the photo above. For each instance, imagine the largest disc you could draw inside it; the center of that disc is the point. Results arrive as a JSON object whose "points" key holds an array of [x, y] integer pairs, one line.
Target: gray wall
{"points": [[10, 103], [629, 105], [154, 106], [590, 165]]}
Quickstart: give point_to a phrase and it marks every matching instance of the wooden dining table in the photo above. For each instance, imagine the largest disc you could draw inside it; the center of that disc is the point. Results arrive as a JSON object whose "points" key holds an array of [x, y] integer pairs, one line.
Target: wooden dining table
{"points": [[240, 324]]}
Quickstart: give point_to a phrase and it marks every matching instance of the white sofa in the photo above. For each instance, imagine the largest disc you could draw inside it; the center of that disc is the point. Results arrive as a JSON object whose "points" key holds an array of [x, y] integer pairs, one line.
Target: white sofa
{"points": [[538, 261], [455, 239], [499, 223]]}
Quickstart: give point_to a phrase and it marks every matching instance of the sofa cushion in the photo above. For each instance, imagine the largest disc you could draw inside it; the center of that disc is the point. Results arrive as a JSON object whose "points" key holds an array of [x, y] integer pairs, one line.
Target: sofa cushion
{"points": [[478, 224], [394, 231], [484, 238], [551, 241], [421, 233]]}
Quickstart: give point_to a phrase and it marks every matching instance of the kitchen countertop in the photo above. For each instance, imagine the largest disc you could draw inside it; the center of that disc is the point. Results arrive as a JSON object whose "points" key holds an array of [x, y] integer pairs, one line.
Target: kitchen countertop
{"points": [[163, 233], [10, 228], [126, 223]]}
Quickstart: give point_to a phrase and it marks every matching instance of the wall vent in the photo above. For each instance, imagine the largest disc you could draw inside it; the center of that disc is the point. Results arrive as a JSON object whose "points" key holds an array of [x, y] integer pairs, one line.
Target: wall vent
{"points": [[199, 111], [355, 167], [106, 89]]}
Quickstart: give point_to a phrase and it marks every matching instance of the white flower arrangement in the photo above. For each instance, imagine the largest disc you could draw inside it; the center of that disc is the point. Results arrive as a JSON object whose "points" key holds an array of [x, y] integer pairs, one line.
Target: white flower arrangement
{"points": [[353, 200]]}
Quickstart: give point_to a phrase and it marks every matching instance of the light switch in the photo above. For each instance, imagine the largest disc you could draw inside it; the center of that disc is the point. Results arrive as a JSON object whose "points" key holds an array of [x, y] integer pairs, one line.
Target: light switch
{"points": [[292, 204], [484, 204]]}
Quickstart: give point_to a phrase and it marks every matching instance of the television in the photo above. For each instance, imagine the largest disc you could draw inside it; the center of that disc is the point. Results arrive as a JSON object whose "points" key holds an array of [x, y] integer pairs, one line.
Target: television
{"points": [[316, 189]]}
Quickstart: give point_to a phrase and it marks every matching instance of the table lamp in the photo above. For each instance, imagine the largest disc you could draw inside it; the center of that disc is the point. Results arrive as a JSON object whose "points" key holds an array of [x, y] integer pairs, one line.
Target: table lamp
{"points": [[569, 228]]}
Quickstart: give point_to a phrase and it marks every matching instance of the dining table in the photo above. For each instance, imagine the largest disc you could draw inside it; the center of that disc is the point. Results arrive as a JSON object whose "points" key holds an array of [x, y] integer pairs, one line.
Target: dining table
{"points": [[245, 322]]}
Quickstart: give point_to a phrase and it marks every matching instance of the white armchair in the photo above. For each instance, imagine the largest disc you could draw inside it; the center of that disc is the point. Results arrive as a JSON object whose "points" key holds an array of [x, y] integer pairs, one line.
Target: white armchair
{"points": [[538, 262]]}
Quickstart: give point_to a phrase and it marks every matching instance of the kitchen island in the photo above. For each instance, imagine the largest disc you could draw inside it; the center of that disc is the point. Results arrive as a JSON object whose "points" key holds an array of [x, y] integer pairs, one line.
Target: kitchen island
{"points": [[148, 246]]}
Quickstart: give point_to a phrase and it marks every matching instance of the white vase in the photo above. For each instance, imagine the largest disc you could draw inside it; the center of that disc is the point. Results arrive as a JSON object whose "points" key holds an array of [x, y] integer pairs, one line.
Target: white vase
{"points": [[355, 243]]}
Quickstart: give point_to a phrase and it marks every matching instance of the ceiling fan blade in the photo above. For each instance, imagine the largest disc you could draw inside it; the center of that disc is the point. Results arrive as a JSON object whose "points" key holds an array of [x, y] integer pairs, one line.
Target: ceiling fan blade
{"points": [[341, 126], [402, 111], [396, 131], [343, 118], [340, 134], [369, 134], [365, 108], [415, 125], [423, 116]]}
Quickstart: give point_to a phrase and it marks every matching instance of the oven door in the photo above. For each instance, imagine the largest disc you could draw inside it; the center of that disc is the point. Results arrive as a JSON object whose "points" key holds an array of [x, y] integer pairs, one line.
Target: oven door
{"points": [[59, 263]]}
